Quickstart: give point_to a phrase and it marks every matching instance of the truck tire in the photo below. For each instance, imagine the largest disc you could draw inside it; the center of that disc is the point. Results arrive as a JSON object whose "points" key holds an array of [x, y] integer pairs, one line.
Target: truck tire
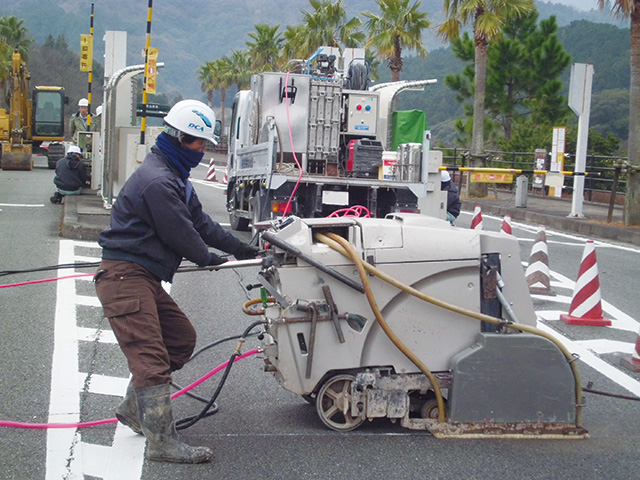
{"points": [[55, 153], [240, 224]]}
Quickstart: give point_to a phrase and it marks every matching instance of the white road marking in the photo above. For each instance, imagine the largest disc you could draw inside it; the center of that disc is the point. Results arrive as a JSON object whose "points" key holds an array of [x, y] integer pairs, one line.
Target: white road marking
{"points": [[217, 185], [595, 362], [36, 205], [68, 457]]}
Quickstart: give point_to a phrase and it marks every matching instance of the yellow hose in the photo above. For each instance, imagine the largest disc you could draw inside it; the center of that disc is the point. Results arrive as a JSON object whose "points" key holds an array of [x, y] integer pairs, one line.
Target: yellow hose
{"points": [[385, 326], [342, 246]]}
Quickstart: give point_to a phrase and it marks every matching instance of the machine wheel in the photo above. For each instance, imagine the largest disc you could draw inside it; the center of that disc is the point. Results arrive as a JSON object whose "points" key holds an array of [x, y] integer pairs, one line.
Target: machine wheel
{"points": [[310, 399], [430, 409], [239, 224], [333, 404]]}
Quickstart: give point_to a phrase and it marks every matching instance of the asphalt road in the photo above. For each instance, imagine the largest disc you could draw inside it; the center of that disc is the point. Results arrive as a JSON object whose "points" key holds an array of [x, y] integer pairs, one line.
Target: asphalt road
{"points": [[262, 431]]}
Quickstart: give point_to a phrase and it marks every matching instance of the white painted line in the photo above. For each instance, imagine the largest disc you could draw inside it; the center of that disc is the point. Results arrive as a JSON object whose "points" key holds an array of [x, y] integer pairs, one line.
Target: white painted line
{"points": [[588, 357], [79, 259], [217, 185], [103, 385], [64, 403], [126, 456], [93, 334], [21, 205], [93, 459], [84, 244], [88, 301], [603, 346]]}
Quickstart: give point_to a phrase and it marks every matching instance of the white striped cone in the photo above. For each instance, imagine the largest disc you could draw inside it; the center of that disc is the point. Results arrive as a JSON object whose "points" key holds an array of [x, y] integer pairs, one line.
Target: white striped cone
{"points": [[211, 173], [633, 362], [476, 221], [506, 225], [537, 272], [586, 307], [225, 178]]}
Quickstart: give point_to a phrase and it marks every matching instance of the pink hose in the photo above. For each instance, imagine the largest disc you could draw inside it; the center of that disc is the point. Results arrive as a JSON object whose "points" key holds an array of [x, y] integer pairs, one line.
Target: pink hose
{"points": [[46, 280], [222, 366]]}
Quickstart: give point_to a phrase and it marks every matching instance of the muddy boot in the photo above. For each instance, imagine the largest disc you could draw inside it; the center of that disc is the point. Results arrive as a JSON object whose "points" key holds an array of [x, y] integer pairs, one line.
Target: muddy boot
{"points": [[127, 411], [156, 419], [57, 198]]}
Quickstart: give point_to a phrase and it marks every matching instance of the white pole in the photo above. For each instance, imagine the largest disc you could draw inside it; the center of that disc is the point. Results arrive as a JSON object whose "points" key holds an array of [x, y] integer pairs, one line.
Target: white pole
{"points": [[580, 103]]}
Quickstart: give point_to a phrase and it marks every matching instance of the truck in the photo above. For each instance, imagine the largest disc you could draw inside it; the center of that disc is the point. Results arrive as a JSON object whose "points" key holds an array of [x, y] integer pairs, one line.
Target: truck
{"points": [[317, 140], [32, 125]]}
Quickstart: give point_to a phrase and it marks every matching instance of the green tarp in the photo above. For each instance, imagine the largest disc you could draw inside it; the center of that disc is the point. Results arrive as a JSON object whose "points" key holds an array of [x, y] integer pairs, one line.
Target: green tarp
{"points": [[408, 127]]}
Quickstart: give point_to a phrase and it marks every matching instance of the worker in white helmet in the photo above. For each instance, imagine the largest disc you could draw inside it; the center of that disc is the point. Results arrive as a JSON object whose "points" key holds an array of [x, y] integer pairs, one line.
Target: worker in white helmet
{"points": [[79, 120], [156, 221], [453, 198]]}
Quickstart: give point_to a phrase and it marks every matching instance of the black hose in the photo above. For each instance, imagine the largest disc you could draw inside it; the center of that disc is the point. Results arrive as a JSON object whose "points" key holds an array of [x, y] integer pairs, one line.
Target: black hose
{"points": [[614, 395], [192, 420], [51, 267]]}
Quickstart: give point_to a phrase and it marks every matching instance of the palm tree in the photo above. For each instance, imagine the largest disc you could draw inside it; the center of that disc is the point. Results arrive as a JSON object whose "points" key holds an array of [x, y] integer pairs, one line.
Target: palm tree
{"points": [[265, 48], [398, 26], [238, 67], [15, 34], [207, 76], [327, 25], [488, 17], [631, 10]]}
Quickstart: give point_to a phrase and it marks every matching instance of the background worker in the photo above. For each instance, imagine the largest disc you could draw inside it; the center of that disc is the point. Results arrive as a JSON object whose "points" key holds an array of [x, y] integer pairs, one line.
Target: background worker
{"points": [[79, 120], [453, 199], [96, 120], [157, 221], [71, 175]]}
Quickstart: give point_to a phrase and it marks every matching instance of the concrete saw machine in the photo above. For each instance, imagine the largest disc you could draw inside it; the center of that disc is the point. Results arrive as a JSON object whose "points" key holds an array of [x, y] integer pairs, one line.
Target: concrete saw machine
{"points": [[411, 319]]}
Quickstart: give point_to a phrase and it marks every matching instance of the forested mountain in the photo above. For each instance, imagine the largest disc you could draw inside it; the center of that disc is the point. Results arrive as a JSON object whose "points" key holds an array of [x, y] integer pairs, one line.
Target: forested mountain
{"points": [[190, 33]]}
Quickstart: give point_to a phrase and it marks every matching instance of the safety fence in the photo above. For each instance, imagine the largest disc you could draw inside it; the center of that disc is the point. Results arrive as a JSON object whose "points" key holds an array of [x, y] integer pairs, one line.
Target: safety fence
{"points": [[605, 185]]}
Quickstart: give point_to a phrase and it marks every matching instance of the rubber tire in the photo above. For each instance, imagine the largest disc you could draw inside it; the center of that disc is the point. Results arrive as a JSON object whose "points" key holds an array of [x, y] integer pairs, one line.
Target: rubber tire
{"points": [[239, 224]]}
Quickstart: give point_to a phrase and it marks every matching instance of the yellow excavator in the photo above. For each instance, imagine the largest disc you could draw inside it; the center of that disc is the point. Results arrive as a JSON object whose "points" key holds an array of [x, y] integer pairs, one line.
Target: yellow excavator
{"points": [[32, 125]]}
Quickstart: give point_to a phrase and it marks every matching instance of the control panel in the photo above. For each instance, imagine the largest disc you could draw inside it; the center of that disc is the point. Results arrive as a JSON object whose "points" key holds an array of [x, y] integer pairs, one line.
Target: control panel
{"points": [[362, 112]]}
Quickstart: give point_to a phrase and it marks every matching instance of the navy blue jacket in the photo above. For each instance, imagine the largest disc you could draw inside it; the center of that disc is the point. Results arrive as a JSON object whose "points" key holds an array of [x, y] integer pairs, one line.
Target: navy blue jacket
{"points": [[453, 199], [154, 225], [71, 173]]}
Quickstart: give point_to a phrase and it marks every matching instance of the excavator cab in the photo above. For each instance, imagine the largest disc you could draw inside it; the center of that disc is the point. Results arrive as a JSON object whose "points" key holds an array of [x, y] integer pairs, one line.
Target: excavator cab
{"points": [[48, 121]]}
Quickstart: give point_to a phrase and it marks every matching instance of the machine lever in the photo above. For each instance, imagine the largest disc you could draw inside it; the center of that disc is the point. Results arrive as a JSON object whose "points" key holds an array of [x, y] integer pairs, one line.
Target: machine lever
{"points": [[333, 308]]}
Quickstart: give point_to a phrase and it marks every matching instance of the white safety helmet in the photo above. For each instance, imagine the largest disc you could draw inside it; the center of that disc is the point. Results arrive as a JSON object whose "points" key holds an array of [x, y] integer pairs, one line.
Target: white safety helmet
{"points": [[444, 176], [99, 111], [74, 149], [191, 117], [83, 102]]}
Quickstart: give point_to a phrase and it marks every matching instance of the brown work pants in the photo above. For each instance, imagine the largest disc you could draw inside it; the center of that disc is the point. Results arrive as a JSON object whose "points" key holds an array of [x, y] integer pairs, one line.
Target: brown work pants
{"points": [[153, 333]]}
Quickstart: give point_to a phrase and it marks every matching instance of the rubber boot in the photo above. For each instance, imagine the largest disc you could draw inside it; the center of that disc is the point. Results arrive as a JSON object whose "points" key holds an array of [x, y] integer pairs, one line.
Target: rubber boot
{"points": [[156, 419], [127, 411], [57, 198]]}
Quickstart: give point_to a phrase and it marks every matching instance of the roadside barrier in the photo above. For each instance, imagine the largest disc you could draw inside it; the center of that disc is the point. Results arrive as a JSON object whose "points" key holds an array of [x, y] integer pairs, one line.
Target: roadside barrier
{"points": [[211, 173], [586, 306], [476, 221], [506, 225], [537, 273]]}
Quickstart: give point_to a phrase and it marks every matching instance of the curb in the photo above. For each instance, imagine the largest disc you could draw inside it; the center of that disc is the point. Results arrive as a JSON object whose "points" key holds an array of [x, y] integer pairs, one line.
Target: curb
{"points": [[73, 228]]}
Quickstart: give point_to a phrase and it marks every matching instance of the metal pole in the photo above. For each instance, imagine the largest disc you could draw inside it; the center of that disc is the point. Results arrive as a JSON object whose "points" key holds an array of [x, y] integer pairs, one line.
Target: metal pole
{"points": [[614, 190], [90, 70], [143, 122]]}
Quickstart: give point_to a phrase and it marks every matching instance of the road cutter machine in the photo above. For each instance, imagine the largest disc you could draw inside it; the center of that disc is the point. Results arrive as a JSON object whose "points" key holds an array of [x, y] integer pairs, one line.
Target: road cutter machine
{"points": [[411, 319]]}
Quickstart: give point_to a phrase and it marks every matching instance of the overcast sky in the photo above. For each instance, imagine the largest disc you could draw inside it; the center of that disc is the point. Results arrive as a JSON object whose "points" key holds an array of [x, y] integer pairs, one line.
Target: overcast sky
{"points": [[577, 4]]}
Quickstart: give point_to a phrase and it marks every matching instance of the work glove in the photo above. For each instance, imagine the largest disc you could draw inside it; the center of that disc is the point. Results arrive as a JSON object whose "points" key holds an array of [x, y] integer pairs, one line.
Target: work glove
{"points": [[246, 252], [216, 259]]}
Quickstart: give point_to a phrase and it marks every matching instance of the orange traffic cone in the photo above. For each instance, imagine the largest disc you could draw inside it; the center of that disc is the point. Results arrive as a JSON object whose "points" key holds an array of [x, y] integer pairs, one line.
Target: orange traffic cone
{"points": [[211, 173], [586, 307], [537, 272], [633, 362], [476, 221], [506, 225]]}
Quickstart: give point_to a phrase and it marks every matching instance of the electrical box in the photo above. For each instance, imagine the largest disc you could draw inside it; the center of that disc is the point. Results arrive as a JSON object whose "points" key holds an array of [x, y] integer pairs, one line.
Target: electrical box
{"points": [[362, 112]]}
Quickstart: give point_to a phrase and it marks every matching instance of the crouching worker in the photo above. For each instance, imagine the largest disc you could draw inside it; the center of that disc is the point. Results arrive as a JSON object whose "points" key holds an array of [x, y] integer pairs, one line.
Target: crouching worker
{"points": [[71, 175], [453, 199], [156, 221]]}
